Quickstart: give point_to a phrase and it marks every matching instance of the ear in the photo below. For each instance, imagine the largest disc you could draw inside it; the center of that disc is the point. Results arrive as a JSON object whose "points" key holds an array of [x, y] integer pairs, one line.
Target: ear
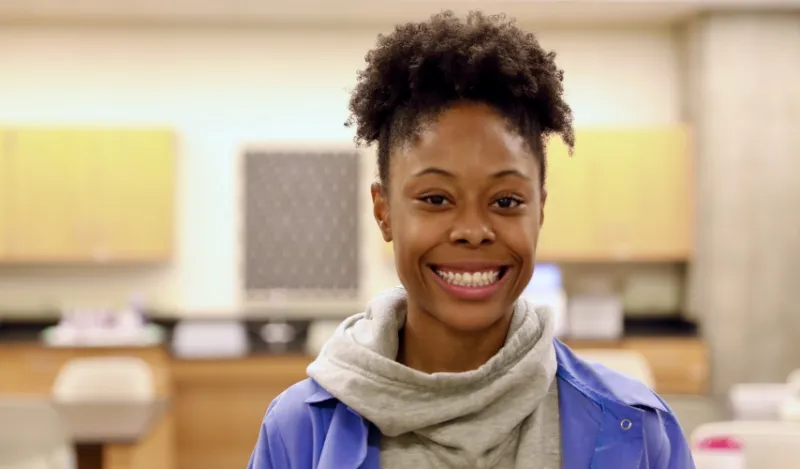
{"points": [[380, 209], [541, 206]]}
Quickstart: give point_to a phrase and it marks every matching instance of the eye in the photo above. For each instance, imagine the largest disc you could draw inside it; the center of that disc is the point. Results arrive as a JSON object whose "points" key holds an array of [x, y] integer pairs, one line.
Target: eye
{"points": [[508, 202], [435, 200]]}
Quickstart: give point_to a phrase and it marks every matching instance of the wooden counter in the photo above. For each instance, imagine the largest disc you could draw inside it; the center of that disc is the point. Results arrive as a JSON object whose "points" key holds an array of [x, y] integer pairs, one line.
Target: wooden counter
{"points": [[217, 405], [220, 405], [680, 364]]}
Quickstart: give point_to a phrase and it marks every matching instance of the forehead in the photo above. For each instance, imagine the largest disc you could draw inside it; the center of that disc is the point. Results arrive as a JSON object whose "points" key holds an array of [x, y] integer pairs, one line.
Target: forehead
{"points": [[470, 140]]}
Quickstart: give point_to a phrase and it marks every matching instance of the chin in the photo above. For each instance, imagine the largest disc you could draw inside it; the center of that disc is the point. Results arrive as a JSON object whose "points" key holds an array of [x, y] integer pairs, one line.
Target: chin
{"points": [[471, 317]]}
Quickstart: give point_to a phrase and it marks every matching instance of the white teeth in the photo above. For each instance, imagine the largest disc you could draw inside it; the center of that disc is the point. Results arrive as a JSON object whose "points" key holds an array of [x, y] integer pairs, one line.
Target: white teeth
{"points": [[470, 279]]}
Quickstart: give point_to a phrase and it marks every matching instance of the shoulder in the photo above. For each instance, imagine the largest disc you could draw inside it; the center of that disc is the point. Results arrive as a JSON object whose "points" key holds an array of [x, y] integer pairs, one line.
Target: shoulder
{"points": [[287, 427], [292, 404], [601, 383], [295, 412], [664, 437]]}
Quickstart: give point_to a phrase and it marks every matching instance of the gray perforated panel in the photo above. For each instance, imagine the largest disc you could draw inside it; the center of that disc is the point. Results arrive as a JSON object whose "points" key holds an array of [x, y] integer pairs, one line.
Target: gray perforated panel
{"points": [[301, 223]]}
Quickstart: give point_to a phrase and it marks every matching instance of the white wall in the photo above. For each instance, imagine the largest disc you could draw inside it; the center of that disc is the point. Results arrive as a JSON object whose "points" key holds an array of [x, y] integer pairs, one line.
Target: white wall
{"points": [[743, 275], [220, 88]]}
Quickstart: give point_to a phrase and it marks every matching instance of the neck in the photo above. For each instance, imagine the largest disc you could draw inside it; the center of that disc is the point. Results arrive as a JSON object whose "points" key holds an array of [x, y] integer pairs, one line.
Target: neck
{"points": [[429, 346]]}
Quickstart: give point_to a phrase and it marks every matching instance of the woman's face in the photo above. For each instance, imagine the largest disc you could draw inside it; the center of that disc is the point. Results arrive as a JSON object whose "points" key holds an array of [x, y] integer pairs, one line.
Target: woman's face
{"points": [[463, 209]]}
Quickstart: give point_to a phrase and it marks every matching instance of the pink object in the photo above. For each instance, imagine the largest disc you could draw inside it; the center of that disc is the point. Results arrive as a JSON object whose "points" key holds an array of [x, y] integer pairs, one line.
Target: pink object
{"points": [[720, 452], [721, 443]]}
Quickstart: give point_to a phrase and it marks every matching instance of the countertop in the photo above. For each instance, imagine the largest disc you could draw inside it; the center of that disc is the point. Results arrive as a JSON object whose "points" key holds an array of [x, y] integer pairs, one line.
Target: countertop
{"points": [[18, 330]]}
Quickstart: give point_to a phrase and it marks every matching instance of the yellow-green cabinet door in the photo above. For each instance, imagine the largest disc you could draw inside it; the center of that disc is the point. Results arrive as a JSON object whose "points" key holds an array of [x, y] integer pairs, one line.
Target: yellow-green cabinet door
{"points": [[664, 212], [642, 181], [567, 231], [5, 164], [134, 172], [44, 196]]}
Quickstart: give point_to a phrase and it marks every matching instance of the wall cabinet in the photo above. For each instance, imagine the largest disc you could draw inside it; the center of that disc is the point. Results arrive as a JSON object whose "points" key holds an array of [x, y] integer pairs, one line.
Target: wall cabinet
{"points": [[86, 195], [4, 201], [625, 194]]}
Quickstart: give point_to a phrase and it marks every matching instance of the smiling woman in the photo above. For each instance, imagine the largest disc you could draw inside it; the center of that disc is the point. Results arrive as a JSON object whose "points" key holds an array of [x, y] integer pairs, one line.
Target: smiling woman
{"points": [[454, 369]]}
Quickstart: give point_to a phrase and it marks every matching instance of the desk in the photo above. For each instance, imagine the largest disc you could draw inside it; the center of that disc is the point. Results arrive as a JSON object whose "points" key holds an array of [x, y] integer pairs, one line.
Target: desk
{"points": [[30, 369]]}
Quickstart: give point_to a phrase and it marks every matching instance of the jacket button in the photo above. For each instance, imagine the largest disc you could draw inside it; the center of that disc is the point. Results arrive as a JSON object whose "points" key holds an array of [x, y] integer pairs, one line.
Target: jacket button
{"points": [[625, 425]]}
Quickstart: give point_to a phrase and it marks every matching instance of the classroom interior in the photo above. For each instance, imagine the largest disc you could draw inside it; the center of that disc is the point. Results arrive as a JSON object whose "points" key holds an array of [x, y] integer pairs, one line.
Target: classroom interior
{"points": [[162, 277]]}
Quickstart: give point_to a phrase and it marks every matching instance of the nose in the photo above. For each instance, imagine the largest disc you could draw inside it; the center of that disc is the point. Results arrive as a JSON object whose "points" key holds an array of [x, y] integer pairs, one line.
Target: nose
{"points": [[472, 228]]}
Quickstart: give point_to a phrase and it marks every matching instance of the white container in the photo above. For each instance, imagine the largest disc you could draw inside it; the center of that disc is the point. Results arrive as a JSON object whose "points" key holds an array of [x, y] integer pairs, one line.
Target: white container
{"points": [[758, 401], [719, 453], [596, 317], [546, 289], [210, 339]]}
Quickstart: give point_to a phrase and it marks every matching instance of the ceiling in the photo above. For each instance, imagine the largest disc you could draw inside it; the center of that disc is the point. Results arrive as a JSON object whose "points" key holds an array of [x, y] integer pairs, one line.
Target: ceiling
{"points": [[363, 11]]}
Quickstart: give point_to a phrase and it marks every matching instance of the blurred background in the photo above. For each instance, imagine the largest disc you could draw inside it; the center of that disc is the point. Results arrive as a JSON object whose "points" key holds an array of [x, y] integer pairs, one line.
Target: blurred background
{"points": [[184, 218]]}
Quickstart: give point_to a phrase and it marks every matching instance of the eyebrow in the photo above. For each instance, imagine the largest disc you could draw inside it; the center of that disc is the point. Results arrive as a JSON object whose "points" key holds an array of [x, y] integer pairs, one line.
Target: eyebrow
{"points": [[446, 173]]}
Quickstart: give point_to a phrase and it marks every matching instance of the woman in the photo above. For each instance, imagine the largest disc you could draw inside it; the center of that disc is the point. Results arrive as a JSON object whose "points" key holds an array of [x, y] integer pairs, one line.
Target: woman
{"points": [[454, 369]]}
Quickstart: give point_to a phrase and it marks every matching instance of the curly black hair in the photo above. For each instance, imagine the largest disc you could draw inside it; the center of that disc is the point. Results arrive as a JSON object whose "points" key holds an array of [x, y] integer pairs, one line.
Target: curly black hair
{"points": [[421, 69]]}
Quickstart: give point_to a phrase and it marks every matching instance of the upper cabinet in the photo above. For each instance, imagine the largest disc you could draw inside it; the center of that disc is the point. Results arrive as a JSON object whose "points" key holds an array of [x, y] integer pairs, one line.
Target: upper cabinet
{"points": [[4, 202], [86, 195], [625, 195]]}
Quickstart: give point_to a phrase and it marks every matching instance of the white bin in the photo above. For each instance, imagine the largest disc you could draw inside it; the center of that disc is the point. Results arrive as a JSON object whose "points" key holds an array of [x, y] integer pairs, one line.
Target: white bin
{"points": [[758, 401]]}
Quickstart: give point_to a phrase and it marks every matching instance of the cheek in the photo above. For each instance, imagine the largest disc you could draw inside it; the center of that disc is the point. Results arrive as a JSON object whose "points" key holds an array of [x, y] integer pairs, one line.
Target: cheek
{"points": [[523, 244], [521, 236], [414, 237], [411, 245]]}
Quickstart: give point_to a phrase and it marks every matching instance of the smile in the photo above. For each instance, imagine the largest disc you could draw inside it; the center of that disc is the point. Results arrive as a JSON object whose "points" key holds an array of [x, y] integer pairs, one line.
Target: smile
{"points": [[476, 283], [471, 279]]}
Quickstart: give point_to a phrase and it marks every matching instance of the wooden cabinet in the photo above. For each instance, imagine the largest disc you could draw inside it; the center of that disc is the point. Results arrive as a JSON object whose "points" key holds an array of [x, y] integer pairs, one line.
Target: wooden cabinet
{"points": [[624, 195], [134, 171], [220, 404], [568, 229], [4, 201], [85, 195], [43, 197]]}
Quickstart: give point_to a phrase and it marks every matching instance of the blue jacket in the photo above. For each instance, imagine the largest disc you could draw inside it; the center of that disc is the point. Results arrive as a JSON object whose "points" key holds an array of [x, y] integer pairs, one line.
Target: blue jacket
{"points": [[608, 421]]}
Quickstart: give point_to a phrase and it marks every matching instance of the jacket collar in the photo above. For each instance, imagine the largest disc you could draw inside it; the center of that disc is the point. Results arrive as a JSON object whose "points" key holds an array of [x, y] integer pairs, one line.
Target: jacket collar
{"points": [[620, 405], [603, 386], [319, 396]]}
